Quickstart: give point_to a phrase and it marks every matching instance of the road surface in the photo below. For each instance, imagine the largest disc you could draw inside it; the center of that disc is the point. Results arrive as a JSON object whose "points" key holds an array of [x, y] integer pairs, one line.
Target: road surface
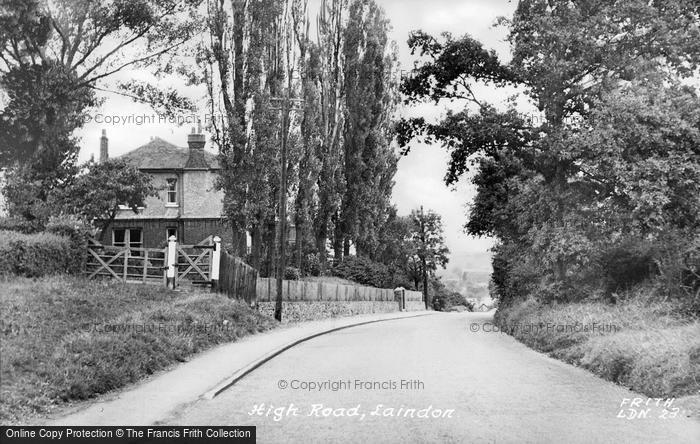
{"points": [[431, 379]]}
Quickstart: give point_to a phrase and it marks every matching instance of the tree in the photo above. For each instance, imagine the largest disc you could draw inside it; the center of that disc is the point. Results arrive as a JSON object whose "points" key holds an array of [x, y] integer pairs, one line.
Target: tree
{"points": [[429, 246], [558, 191], [92, 40], [102, 188], [245, 70], [329, 41], [370, 96]]}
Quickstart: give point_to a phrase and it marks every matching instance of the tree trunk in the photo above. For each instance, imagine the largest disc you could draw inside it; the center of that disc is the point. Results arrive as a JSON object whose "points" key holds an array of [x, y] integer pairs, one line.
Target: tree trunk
{"points": [[322, 253], [299, 245], [256, 247], [338, 247], [270, 236], [236, 244]]}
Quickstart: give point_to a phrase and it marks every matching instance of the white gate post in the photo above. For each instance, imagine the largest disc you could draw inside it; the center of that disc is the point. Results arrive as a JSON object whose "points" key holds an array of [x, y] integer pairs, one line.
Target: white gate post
{"points": [[172, 260], [400, 295], [215, 263]]}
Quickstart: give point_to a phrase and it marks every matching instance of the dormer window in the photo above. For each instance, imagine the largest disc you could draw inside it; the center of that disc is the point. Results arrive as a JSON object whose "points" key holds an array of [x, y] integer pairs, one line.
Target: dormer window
{"points": [[172, 191]]}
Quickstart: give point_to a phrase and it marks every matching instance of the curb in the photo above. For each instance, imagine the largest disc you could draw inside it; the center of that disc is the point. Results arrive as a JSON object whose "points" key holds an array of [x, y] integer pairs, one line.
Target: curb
{"points": [[248, 368]]}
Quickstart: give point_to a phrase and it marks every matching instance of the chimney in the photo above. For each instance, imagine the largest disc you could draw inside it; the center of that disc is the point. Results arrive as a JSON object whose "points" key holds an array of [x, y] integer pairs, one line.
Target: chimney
{"points": [[196, 142], [104, 152]]}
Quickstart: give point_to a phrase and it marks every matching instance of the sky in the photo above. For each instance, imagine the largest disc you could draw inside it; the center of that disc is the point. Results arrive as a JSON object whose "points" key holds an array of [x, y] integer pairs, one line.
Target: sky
{"points": [[419, 180]]}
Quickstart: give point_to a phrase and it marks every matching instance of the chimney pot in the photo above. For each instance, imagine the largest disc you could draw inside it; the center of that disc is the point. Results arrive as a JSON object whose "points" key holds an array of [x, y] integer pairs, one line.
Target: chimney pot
{"points": [[196, 141]]}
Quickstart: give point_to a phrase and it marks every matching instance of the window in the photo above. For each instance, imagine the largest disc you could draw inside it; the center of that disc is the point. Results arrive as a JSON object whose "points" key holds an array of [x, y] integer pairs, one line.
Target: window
{"points": [[119, 237], [172, 191], [170, 231], [131, 237], [135, 238]]}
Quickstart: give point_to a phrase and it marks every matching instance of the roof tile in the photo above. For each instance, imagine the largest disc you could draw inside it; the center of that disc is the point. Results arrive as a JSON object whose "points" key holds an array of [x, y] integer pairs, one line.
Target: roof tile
{"points": [[159, 154]]}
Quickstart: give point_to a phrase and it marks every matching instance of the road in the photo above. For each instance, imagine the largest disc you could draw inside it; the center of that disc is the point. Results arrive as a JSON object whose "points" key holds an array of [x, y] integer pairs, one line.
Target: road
{"points": [[476, 387]]}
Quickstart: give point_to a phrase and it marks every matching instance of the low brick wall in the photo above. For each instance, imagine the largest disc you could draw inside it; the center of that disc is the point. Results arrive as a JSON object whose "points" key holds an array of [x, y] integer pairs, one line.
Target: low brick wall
{"points": [[415, 305], [306, 301]]}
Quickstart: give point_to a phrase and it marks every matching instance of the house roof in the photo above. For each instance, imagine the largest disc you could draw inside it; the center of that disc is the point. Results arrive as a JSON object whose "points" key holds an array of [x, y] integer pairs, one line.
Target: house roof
{"points": [[159, 154]]}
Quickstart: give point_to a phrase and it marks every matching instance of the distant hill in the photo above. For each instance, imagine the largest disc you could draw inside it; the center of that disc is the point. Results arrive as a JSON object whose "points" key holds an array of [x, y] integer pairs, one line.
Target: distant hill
{"points": [[479, 261], [471, 284]]}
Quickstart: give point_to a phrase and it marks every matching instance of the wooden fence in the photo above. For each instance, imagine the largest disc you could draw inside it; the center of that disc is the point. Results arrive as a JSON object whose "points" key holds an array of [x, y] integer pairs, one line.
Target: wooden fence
{"points": [[237, 279], [326, 291]]}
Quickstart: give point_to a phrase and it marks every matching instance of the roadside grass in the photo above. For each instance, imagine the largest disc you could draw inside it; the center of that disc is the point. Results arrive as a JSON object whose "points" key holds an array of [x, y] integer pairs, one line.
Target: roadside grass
{"points": [[653, 348], [65, 338]]}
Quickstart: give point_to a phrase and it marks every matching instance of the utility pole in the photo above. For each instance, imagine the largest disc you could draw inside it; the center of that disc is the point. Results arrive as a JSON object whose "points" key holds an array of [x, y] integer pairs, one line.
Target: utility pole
{"points": [[424, 262], [286, 108]]}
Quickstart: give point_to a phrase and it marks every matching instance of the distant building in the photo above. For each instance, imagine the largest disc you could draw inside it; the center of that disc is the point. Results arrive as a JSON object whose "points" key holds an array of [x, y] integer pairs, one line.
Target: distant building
{"points": [[188, 205]]}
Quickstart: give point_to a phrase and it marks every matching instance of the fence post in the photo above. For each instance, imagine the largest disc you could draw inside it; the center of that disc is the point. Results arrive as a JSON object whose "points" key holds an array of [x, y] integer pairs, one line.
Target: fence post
{"points": [[171, 261], [215, 262]]}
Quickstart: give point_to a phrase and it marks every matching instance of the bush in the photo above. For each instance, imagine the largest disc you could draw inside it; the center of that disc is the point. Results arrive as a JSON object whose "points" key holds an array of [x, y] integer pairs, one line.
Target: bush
{"points": [[443, 301], [77, 231], [69, 226], [19, 224], [292, 274], [363, 271], [37, 254], [312, 264], [625, 265]]}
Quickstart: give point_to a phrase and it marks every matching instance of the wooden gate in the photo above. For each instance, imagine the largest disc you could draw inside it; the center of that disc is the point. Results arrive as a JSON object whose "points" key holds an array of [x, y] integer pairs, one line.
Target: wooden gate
{"points": [[194, 262], [126, 264]]}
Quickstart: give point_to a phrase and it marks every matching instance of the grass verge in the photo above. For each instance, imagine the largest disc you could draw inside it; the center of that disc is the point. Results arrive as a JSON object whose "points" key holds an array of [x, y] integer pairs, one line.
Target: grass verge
{"points": [[648, 346], [66, 338]]}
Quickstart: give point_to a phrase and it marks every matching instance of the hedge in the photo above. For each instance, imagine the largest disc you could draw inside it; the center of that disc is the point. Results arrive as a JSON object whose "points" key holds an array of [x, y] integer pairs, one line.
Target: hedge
{"points": [[19, 224], [38, 254]]}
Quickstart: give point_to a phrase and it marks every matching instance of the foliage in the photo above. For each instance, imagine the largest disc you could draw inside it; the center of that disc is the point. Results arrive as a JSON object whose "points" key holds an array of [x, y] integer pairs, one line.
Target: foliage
{"points": [[44, 108], [19, 225], [38, 254], [312, 264], [337, 122], [444, 299], [369, 158], [626, 264], [79, 233], [588, 199], [69, 226], [428, 248], [292, 274], [27, 193], [364, 271], [98, 192]]}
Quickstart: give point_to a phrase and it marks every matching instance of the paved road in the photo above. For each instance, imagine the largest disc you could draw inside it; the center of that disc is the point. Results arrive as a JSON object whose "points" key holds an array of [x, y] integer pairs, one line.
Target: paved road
{"points": [[479, 387]]}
